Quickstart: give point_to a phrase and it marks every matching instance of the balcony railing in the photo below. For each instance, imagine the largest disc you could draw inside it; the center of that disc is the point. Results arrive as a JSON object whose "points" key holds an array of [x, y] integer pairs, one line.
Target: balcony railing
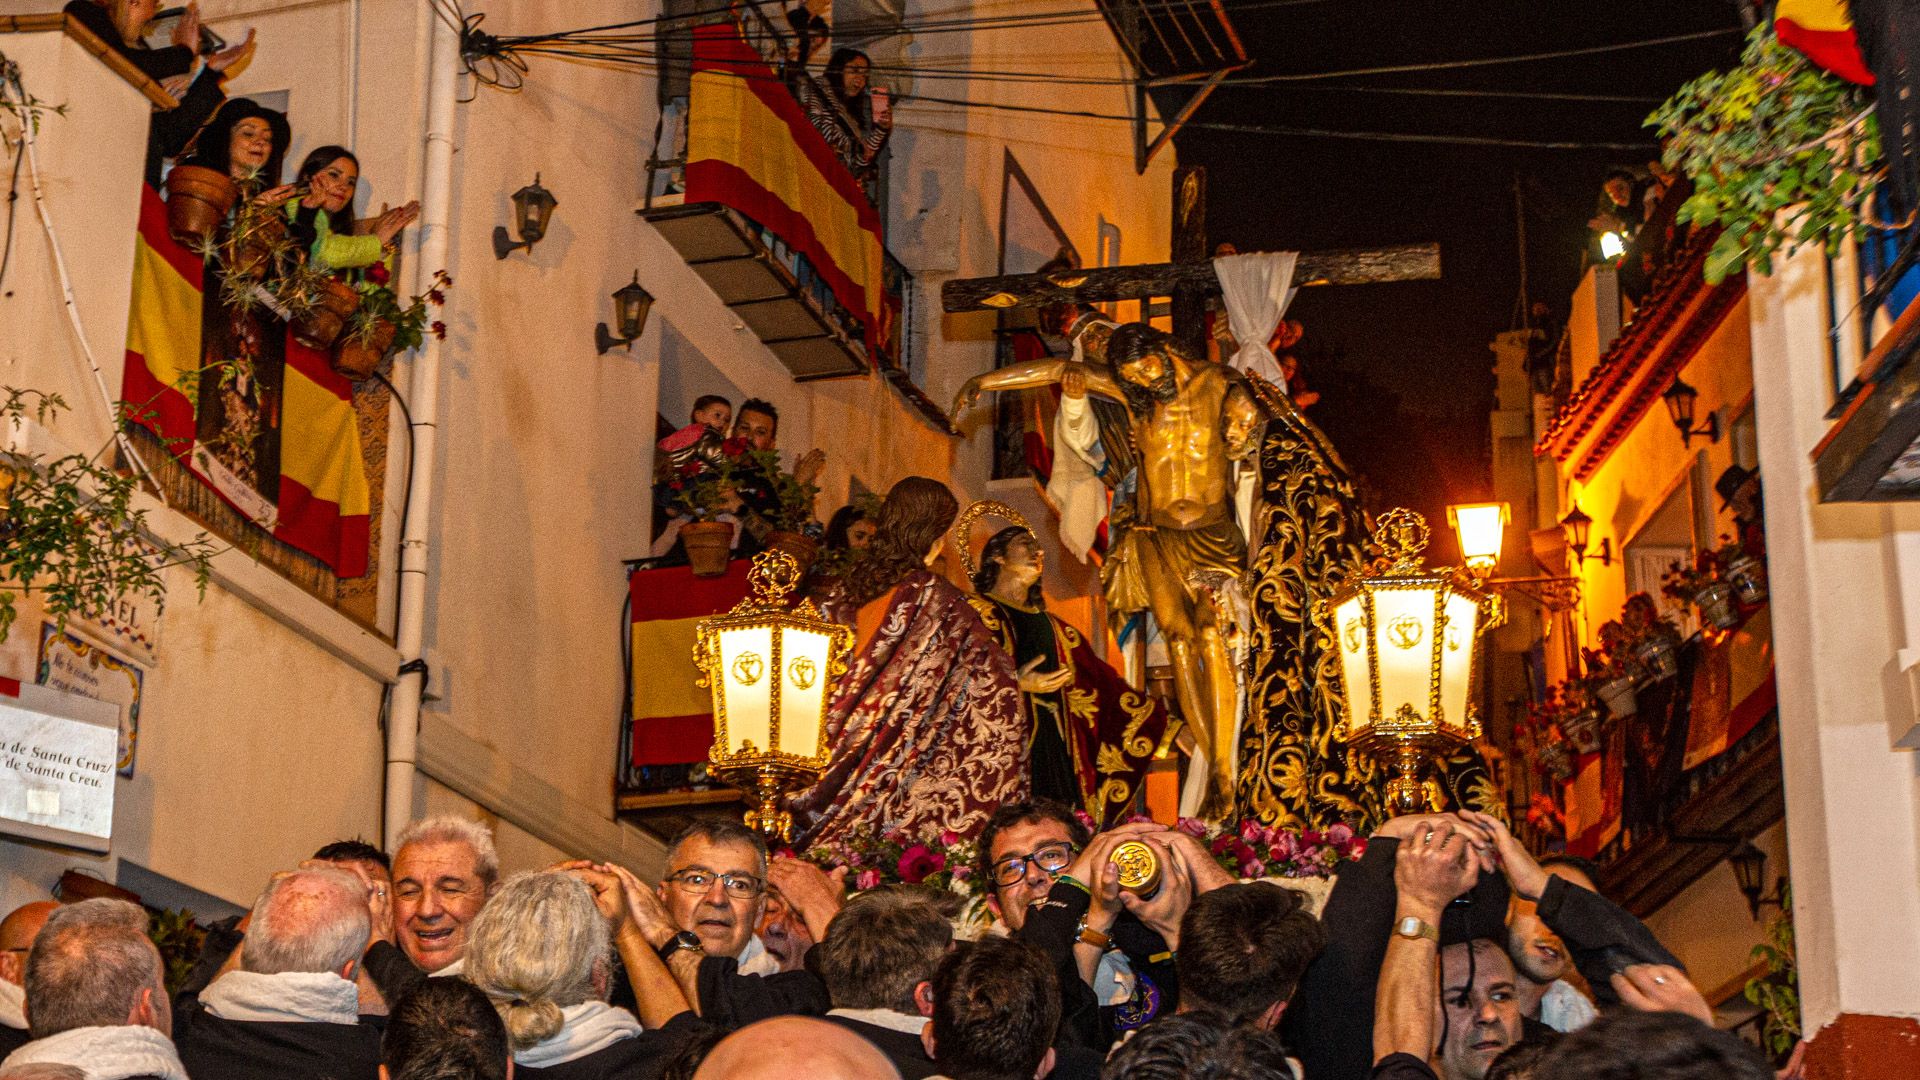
{"points": [[790, 238]]}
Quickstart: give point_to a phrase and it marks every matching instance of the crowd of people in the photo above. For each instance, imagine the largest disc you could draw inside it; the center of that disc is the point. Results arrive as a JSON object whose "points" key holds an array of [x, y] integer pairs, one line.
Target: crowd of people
{"points": [[1445, 951]]}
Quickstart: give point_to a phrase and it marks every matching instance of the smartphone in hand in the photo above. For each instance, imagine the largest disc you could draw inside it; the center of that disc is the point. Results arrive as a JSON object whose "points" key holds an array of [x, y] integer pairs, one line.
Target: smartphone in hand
{"points": [[882, 105]]}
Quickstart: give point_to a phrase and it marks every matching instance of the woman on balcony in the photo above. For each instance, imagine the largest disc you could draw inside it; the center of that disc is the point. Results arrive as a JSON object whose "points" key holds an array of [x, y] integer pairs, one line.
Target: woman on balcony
{"points": [[850, 98], [330, 177]]}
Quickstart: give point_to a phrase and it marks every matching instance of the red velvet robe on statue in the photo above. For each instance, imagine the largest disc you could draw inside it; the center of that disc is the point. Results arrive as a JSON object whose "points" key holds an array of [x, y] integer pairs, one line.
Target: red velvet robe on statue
{"points": [[927, 729]]}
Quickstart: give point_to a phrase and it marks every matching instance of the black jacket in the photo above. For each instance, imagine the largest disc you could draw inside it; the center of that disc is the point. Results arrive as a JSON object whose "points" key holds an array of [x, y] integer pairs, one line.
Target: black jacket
{"points": [[12, 1039], [643, 1057], [730, 1000], [1084, 1020], [902, 1048], [391, 971], [215, 1049]]}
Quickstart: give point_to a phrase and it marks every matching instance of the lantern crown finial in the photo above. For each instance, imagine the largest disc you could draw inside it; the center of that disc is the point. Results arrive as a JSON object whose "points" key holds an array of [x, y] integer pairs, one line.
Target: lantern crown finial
{"points": [[774, 575], [1403, 536]]}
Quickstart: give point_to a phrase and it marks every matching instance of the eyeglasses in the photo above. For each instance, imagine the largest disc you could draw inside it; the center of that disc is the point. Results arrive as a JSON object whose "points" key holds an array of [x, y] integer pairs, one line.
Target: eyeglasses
{"points": [[698, 882], [1053, 858]]}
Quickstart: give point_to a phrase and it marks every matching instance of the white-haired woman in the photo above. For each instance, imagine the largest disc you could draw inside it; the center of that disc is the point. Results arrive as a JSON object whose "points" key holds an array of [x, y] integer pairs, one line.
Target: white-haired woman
{"points": [[542, 950]]}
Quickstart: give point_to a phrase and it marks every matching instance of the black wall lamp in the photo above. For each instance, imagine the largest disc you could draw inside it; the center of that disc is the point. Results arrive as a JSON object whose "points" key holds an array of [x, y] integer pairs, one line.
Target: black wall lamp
{"points": [[1577, 525], [532, 209], [630, 306], [1750, 870], [1680, 399]]}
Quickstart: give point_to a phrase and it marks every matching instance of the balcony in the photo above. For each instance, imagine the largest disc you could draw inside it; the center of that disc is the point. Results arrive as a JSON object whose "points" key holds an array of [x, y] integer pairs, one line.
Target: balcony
{"points": [[747, 187]]}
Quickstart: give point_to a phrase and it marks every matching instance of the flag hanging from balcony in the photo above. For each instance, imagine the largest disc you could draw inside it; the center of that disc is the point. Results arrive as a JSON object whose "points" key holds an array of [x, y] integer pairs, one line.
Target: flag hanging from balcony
{"points": [[1823, 31], [672, 714], [751, 147], [277, 438]]}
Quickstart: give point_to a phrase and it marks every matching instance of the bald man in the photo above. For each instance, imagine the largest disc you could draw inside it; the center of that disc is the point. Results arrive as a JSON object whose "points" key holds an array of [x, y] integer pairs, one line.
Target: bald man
{"points": [[17, 932], [790, 1046]]}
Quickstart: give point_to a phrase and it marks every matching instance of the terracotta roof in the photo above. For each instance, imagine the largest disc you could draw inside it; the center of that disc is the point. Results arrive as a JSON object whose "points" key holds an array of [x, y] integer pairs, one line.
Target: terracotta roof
{"points": [[1681, 312]]}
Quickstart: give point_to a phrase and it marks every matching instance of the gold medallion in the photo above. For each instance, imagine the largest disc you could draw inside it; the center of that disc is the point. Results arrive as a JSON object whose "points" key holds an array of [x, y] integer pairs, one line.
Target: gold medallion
{"points": [[1139, 868]]}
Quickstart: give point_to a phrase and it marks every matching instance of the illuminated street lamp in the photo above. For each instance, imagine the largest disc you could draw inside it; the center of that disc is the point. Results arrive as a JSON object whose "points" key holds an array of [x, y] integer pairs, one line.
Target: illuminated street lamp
{"points": [[1480, 528], [630, 306], [1680, 399], [1408, 637], [772, 669]]}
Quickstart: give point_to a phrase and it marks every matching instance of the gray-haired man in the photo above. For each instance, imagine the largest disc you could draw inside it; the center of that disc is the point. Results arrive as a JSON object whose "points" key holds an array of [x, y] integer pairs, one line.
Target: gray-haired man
{"points": [[96, 997]]}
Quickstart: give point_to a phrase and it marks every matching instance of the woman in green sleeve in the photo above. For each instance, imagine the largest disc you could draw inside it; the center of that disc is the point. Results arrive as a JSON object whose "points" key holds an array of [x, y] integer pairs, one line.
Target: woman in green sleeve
{"points": [[322, 218]]}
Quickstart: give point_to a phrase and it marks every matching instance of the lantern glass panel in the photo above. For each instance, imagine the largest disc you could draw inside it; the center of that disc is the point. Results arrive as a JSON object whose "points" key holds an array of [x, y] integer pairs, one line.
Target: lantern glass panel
{"points": [[1680, 398], [1456, 660], [1481, 528], [803, 689], [1403, 635], [743, 690], [1350, 622]]}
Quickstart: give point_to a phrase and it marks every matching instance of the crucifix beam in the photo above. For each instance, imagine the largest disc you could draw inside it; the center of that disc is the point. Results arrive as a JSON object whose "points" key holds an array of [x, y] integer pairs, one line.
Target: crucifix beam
{"points": [[1359, 266]]}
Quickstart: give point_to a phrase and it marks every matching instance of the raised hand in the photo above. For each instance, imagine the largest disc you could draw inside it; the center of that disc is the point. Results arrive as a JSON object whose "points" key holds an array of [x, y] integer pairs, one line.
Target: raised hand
{"points": [[816, 894], [808, 469], [390, 222], [227, 57], [1163, 911], [1523, 873], [187, 30], [1201, 866], [1433, 867], [1661, 988], [1073, 381], [1094, 868], [643, 907]]}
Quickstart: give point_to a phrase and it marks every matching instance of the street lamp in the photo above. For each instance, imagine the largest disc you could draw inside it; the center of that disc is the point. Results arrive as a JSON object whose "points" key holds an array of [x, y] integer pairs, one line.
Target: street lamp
{"points": [[630, 306], [1407, 637], [1578, 524], [1749, 865], [1480, 528], [772, 670], [1680, 399], [532, 209]]}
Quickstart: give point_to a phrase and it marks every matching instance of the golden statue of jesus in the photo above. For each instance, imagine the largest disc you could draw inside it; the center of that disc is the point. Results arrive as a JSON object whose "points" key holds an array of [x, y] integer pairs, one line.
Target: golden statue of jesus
{"points": [[1187, 421]]}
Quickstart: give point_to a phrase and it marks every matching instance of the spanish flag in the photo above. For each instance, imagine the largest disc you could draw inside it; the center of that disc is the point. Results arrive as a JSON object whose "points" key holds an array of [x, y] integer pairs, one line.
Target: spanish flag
{"points": [[672, 714], [321, 502], [751, 147], [1823, 31]]}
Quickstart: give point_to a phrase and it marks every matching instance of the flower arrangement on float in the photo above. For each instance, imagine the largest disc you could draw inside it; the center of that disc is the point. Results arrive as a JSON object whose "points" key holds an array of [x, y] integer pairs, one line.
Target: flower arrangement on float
{"points": [[1246, 849]]}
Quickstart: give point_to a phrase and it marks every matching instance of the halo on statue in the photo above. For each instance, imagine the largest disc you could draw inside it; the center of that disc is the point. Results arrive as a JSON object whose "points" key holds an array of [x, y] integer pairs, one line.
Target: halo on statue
{"points": [[961, 535]]}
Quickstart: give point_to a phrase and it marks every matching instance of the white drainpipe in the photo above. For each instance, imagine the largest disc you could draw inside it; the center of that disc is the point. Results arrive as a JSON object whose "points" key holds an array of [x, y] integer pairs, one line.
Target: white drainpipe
{"points": [[423, 397]]}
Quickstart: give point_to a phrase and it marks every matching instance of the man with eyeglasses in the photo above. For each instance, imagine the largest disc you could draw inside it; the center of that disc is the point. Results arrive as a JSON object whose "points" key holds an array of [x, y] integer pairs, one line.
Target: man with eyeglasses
{"points": [[1113, 955], [17, 932]]}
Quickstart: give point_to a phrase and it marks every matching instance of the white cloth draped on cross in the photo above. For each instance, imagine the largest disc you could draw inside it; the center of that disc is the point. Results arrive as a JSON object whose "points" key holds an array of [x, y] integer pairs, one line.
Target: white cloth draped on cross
{"points": [[1257, 289]]}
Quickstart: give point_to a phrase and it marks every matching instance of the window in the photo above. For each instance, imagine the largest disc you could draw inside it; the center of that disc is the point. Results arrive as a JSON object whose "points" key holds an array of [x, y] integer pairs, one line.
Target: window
{"points": [[1668, 535]]}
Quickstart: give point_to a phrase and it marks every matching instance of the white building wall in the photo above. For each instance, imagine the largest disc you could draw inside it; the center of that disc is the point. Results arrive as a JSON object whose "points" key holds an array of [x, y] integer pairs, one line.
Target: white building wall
{"points": [[260, 736]]}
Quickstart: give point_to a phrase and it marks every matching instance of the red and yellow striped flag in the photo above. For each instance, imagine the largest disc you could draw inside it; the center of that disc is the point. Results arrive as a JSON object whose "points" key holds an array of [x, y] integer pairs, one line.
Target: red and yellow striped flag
{"points": [[672, 715], [751, 147], [323, 502], [1823, 31]]}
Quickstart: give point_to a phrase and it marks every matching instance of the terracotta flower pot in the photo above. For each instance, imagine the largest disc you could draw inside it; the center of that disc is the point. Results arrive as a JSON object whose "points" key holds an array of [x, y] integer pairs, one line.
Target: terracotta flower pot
{"points": [[1748, 576], [802, 547], [320, 327], [198, 199], [358, 357], [253, 256], [1716, 606], [709, 546]]}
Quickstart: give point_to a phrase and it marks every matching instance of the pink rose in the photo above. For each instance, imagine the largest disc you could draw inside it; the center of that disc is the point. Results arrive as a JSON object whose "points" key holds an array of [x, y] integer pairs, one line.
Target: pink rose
{"points": [[868, 879], [1250, 831], [948, 838], [1285, 846], [1193, 827], [1253, 868], [919, 861], [1340, 835], [1086, 821]]}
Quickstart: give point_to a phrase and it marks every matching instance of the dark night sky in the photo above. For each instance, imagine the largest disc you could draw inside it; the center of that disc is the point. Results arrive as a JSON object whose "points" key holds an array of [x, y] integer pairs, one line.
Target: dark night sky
{"points": [[1405, 367]]}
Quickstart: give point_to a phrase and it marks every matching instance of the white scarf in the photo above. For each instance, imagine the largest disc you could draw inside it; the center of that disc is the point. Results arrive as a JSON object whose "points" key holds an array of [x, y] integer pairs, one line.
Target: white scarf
{"points": [[11, 998], [1566, 1009], [587, 1028], [754, 959], [891, 1019], [310, 997], [105, 1053], [458, 967]]}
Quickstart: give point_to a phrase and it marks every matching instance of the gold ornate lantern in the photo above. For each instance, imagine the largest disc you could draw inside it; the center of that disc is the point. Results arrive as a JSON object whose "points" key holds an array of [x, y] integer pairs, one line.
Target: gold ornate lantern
{"points": [[1408, 637], [772, 668]]}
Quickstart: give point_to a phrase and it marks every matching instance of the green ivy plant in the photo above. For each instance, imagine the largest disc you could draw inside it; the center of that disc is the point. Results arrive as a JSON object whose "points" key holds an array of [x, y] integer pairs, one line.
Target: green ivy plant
{"points": [[1778, 990], [1780, 153], [69, 530], [179, 938]]}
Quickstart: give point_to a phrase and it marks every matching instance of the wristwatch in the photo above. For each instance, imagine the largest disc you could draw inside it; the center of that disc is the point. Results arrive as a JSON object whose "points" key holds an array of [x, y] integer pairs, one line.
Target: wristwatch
{"points": [[685, 940], [1087, 935], [1414, 927]]}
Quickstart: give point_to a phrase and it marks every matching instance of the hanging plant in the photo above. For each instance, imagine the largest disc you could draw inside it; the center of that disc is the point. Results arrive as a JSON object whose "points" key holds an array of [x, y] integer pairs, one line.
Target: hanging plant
{"points": [[1779, 151], [71, 533], [1778, 989]]}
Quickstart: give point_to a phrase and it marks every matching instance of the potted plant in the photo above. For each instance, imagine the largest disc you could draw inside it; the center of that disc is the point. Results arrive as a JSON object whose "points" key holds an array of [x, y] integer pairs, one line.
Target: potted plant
{"points": [[1541, 737], [1745, 573], [379, 325], [1611, 684], [792, 512], [198, 199], [1780, 152], [1652, 637], [701, 491], [1700, 585]]}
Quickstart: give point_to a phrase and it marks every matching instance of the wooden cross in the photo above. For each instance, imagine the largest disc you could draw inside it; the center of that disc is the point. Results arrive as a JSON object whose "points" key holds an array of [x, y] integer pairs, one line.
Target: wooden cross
{"points": [[1189, 279]]}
